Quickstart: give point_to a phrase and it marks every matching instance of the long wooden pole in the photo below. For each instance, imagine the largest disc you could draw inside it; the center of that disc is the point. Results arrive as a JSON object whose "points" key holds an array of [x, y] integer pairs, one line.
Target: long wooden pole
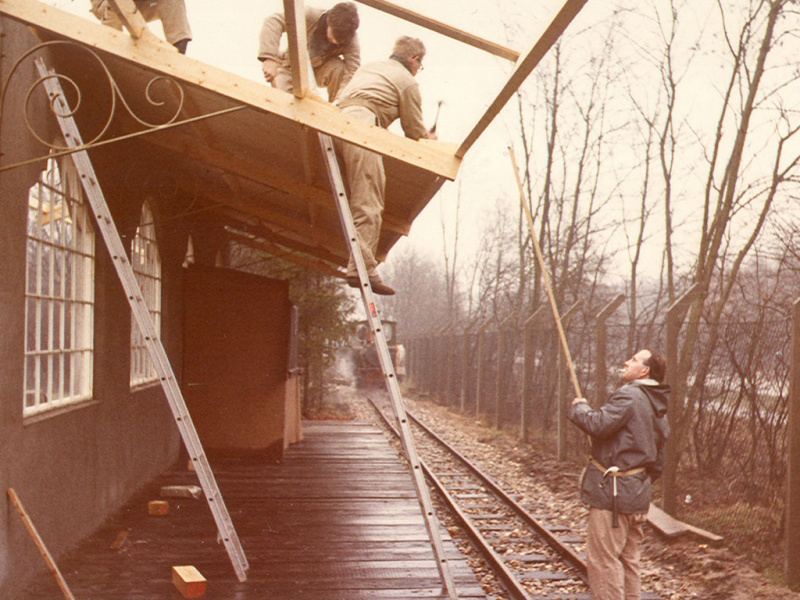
{"points": [[545, 278], [51, 564]]}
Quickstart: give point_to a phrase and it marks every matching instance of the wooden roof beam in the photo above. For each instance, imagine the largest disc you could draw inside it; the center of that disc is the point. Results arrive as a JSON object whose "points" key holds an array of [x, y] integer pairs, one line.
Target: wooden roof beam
{"points": [[131, 18], [311, 112], [285, 253], [564, 17], [442, 28], [295, 16], [196, 148]]}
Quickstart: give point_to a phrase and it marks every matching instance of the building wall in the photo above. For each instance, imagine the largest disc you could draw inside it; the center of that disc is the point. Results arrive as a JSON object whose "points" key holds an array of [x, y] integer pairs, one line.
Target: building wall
{"points": [[74, 467], [71, 467]]}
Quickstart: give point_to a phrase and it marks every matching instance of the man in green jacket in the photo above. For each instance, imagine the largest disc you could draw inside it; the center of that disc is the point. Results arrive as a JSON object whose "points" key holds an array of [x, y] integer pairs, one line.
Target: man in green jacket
{"points": [[378, 94], [629, 434], [333, 48]]}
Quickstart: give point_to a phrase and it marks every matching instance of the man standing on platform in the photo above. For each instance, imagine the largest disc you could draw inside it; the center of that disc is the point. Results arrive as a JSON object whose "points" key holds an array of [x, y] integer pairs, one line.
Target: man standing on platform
{"points": [[628, 435], [171, 12], [378, 94], [333, 48]]}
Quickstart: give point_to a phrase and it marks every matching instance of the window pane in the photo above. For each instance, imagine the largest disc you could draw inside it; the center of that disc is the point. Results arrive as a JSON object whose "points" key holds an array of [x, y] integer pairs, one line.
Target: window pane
{"points": [[59, 309], [146, 264]]}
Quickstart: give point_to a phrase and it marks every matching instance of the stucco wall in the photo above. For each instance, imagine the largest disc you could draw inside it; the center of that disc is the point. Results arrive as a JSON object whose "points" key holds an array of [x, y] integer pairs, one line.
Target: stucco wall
{"points": [[72, 468]]}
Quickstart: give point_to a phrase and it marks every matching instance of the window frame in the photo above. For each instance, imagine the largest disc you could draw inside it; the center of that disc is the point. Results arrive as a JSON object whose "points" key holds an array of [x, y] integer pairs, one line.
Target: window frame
{"points": [[59, 309], [145, 259]]}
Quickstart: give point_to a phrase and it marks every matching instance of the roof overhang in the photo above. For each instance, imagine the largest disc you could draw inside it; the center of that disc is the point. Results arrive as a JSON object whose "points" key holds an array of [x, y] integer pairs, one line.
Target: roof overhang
{"points": [[243, 146]]}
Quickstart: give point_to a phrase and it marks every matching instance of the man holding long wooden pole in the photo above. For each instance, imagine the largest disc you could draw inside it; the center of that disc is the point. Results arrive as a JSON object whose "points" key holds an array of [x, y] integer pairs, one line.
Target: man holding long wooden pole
{"points": [[629, 434]]}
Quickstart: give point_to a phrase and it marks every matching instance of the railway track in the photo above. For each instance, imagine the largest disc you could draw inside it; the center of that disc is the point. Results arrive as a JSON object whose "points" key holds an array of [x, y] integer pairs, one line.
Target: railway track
{"points": [[529, 555]]}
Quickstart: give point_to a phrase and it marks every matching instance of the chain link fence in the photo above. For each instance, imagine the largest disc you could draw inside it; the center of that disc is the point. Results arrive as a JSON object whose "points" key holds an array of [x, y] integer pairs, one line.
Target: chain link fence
{"points": [[732, 469]]}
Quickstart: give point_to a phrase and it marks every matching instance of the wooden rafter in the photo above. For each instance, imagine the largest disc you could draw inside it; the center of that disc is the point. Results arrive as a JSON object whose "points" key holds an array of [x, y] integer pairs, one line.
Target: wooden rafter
{"points": [[443, 28], [310, 112], [295, 17], [256, 171], [131, 18], [286, 254], [524, 68]]}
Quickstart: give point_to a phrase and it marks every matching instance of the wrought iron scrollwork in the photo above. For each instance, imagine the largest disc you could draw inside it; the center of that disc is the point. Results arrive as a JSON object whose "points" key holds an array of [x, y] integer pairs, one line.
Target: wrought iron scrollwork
{"points": [[115, 94], [55, 149]]}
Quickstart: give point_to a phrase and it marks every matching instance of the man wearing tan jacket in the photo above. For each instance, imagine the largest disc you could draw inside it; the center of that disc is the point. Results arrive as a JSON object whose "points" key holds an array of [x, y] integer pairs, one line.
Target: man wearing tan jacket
{"points": [[333, 48], [378, 94], [171, 12]]}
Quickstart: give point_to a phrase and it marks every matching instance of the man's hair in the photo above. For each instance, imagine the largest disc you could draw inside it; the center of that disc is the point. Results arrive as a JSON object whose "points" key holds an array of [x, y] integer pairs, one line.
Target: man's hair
{"points": [[657, 365], [409, 47], [343, 21]]}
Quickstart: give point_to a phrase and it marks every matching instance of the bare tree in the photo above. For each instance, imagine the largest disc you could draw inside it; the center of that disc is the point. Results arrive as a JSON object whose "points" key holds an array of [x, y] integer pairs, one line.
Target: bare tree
{"points": [[736, 203]]}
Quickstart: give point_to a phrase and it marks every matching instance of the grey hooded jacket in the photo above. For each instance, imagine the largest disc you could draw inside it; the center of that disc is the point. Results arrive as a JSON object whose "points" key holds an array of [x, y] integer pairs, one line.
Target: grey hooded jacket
{"points": [[629, 431]]}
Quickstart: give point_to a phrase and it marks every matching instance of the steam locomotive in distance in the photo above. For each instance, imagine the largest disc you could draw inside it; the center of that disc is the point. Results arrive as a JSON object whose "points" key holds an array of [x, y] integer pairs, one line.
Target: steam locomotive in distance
{"points": [[364, 355]]}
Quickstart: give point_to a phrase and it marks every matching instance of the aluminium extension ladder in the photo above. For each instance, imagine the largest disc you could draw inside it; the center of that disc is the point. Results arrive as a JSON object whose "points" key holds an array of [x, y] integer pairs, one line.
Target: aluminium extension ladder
{"points": [[349, 229], [141, 313]]}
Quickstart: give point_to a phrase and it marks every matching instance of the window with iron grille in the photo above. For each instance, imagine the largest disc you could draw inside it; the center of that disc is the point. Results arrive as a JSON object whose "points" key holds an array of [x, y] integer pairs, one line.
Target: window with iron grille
{"points": [[59, 292], [146, 264]]}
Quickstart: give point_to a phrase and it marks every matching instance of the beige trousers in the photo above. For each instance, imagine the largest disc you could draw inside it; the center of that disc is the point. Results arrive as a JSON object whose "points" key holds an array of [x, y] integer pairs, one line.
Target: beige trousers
{"points": [[612, 555], [366, 181], [328, 75], [171, 12]]}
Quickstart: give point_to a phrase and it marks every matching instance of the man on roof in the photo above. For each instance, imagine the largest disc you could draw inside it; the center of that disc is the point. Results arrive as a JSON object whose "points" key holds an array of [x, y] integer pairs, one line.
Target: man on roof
{"points": [[378, 94], [333, 48], [172, 14]]}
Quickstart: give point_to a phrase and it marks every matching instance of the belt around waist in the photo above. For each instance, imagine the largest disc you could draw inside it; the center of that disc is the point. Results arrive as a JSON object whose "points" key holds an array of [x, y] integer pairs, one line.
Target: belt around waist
{"points": [[596, 464]]}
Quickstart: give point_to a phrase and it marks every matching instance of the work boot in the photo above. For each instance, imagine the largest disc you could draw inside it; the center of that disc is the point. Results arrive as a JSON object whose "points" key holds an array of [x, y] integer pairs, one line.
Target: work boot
{"points": [[375, 282], [181, 45]]}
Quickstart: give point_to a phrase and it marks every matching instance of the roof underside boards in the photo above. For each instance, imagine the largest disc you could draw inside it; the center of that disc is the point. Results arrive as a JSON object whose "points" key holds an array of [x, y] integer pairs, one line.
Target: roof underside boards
{"points": [[262, 158], [257, 155]]}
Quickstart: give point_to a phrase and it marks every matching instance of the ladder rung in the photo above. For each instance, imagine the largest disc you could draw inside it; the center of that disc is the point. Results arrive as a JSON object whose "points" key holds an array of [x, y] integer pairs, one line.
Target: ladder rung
{"points": [[144, 321]]}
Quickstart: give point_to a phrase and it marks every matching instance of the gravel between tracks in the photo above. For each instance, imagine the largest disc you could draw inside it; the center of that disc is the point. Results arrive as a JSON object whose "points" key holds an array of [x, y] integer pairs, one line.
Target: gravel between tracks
{"points": [[684, 569]]}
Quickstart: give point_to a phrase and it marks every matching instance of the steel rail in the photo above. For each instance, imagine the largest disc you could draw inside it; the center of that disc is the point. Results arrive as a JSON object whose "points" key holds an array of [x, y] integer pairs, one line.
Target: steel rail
{"points": [[572, 557], [513, 586]]}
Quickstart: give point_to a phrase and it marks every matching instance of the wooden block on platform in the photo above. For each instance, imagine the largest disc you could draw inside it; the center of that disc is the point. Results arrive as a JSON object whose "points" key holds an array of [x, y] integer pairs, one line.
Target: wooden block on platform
{"points": [[189, 581], [182, 491], [157, 508], [121, 540]]}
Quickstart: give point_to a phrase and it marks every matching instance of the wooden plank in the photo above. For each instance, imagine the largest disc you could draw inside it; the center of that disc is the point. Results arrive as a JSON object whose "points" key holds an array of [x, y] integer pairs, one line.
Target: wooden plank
{"points": [[257, 171], [524, 68], [40, 545], [344, 542], [664, 523], [295, 17], [308, 112], [706, 535], [443, 28], [131, 18]]}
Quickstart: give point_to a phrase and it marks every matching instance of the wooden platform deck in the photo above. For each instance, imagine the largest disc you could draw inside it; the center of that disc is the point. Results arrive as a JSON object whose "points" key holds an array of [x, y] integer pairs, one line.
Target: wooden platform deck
{"points": [[338, 519]]}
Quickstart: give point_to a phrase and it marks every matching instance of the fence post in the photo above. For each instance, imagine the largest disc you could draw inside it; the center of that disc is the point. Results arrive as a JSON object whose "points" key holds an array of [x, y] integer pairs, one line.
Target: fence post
{"points": [[528, 368], [480, 383], [426, 365], [450, 364], [601, 368], [440, 355], [676, 313], [792, 550], [501, 382], [465, 364], [564, 386]]}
